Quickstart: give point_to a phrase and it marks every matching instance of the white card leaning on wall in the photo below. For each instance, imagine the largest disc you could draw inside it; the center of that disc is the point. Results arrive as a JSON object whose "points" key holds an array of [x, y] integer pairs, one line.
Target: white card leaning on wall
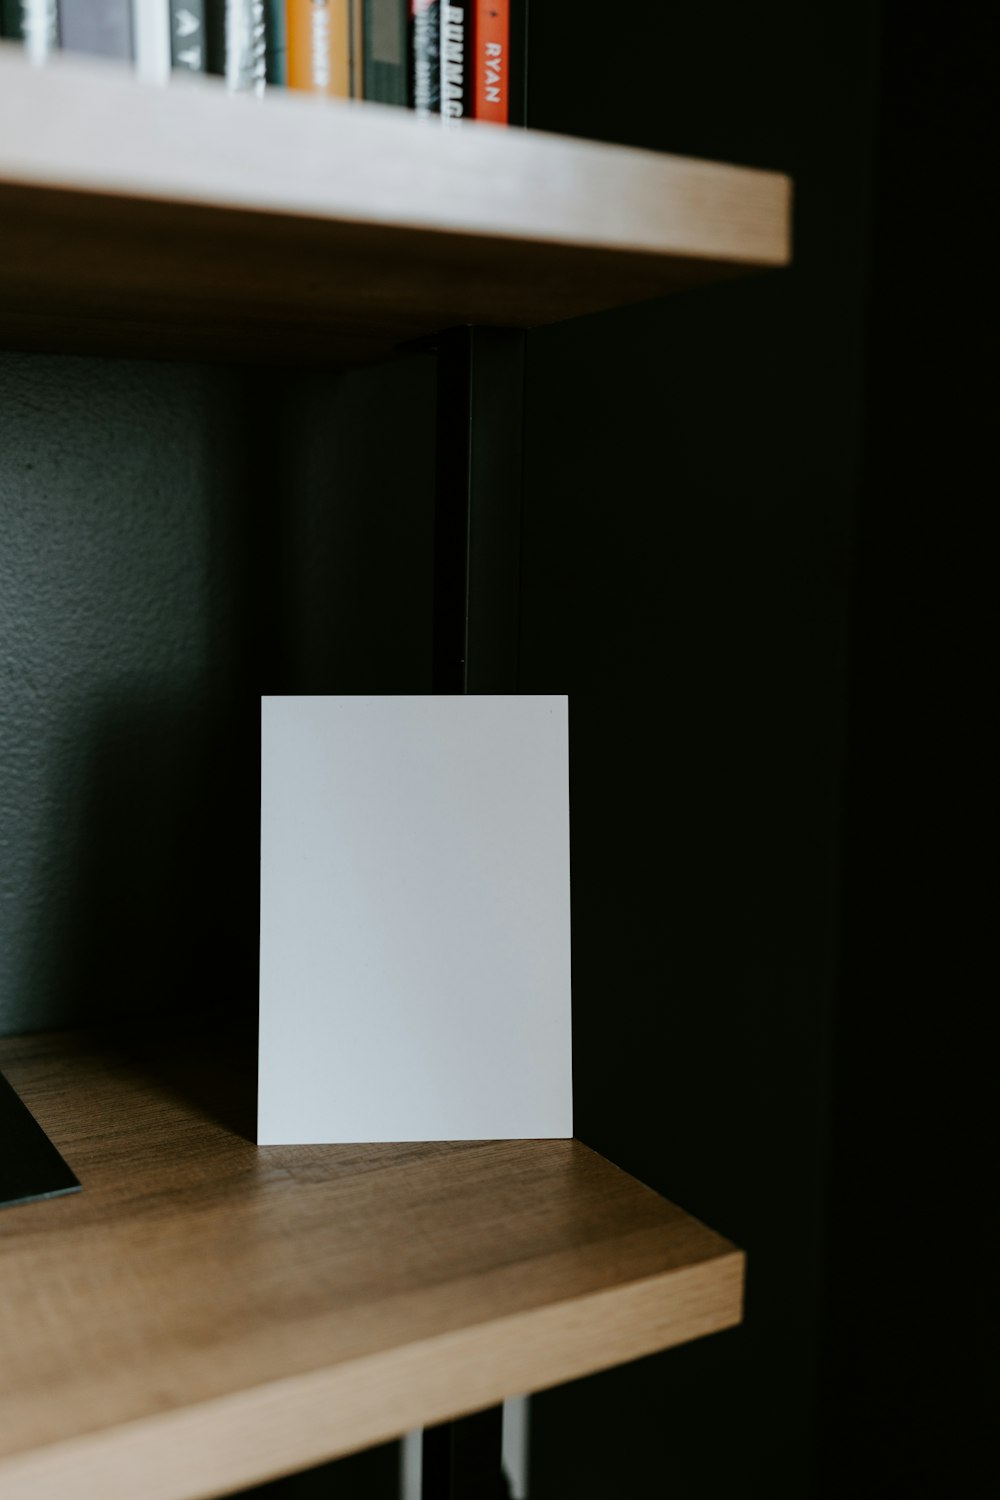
{"points": [[414, 919]]}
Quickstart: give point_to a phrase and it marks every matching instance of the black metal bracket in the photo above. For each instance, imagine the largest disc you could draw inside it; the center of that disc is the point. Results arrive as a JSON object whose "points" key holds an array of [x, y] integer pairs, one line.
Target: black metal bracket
{"points": [[462, 1459], [477, 591], [477, 523], [30, 1166]]}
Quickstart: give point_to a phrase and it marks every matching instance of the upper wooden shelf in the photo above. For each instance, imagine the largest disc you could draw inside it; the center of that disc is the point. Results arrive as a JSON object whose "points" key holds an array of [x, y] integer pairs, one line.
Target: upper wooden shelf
{"points": [[207, 1313], [184, 220]]}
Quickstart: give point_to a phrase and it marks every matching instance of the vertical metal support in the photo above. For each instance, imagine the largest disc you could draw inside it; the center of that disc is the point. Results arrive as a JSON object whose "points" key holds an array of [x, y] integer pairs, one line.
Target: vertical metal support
{"points": [[461, 1459], [477, 594], [477, 536]]}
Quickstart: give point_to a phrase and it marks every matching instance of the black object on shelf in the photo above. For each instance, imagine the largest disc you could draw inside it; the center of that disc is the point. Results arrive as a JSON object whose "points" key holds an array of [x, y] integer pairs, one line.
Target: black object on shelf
{"points": [[30, 1166]]}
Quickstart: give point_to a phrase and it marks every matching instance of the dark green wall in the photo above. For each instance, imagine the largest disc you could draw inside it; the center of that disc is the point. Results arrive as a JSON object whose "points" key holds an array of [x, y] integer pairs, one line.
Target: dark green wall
{"points": [[911, 1384], [177, 540], [692, 475], [174, 541], [120, 619]]}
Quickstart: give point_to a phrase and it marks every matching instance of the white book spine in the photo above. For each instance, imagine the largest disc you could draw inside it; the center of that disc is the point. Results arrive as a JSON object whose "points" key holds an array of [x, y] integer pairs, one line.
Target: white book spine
{"points": [[41, 30], [151, 36], [246, 49]]}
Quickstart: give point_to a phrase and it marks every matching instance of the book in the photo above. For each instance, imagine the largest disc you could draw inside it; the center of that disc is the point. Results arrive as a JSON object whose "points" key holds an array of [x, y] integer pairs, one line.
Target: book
{"points": [[319, 46], [385, 69], [456, 61], [424, 49], [102, 28], [188, 53], [151, 39], [214, 31], [246, 46], [491, 72], [356, 22], [10, 20], [276, 37], [39, 28]]}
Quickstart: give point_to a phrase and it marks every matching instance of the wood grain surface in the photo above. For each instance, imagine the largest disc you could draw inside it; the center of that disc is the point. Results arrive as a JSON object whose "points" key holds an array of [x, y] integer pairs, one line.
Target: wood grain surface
{"points": [[183, 221], [207, 1314]]}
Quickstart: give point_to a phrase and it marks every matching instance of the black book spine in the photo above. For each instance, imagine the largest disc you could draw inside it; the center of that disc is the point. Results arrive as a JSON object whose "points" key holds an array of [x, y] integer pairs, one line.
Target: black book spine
{"points": [[215, 36], [425, 56], [10, 20], [457, 83]]}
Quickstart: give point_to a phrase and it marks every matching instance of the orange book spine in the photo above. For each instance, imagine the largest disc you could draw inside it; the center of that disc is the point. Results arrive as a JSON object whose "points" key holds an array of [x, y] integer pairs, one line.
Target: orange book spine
{"points": [[318, 58], [492, 46]]}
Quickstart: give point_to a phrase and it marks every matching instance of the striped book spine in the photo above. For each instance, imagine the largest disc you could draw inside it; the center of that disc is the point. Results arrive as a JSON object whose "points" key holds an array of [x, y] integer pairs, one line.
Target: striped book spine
{"points": [[246, 46], [40, 28], [425, 57]]}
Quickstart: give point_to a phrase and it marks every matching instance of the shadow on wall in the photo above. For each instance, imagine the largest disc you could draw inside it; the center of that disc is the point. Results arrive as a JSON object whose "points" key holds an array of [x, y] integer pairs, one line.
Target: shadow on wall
{"points": [[176, 541], [157, 911], [131, 594]]}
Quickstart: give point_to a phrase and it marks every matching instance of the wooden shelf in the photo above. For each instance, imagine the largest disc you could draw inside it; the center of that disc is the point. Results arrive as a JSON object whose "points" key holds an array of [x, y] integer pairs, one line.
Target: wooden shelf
{"points": [[183, 221], [207, 1314]]}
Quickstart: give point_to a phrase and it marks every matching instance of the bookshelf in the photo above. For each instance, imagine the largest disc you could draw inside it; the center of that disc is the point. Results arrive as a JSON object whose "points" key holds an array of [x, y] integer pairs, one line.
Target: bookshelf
{"points": [[207, 1314], [204, 1315], [187, 222]]}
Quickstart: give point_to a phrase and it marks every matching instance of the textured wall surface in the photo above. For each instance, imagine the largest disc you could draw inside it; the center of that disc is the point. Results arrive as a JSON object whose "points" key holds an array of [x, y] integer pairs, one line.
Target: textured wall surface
{"points": [[174, 541], [116, 619], [692, 471]]}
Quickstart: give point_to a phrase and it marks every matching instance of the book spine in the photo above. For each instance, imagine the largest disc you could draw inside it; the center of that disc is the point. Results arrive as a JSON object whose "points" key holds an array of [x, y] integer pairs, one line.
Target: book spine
{"points": [[276, 43], [356, 23], [385, 41], [319, 46], [188, 52], [10, 20], [246, 46], [151, 38], [215, 37], [100, 27], [424, 90], [492, 61], [40, 28], [456, 61]]}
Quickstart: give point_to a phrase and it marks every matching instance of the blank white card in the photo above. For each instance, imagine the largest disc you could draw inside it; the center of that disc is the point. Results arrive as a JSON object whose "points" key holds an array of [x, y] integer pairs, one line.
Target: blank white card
{"points": [[414, 919]]}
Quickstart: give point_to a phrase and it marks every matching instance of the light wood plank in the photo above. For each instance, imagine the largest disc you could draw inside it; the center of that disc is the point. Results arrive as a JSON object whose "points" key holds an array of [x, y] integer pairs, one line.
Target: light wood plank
{"points": [[207, 1314], [182, 220]]}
